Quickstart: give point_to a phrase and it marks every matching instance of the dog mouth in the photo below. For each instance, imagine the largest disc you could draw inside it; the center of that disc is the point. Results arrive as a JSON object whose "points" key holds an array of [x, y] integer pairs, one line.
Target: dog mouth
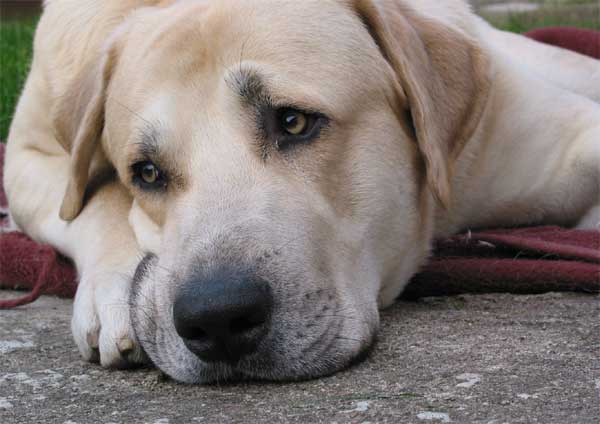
{"points": [[299, 339]]}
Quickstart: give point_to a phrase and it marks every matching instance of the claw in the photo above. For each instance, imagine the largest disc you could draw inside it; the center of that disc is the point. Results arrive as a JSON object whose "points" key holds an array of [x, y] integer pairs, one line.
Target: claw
{"points": [[92, 340], [125, 346]]}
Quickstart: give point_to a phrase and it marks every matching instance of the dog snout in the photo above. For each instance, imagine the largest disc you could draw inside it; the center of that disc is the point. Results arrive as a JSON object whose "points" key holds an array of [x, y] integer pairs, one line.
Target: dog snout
{"points": [[223, 318]]}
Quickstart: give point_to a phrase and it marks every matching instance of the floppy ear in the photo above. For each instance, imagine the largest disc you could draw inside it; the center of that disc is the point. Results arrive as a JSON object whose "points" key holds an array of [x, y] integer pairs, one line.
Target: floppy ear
{"points": [[79, 123], [445, 80]]}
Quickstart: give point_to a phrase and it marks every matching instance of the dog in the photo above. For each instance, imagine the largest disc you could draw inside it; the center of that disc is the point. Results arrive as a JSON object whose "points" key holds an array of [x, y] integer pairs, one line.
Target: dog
{"points": [[244, 185]]}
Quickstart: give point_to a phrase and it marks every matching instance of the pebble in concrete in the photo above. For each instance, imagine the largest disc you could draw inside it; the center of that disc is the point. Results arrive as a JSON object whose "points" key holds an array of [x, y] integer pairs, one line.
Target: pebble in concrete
{"points": [[434, 416], [470, 380]]}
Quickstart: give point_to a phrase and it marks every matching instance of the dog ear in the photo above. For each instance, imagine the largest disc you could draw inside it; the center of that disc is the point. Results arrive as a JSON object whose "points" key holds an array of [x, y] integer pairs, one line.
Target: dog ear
{"points": [[442, 75], [79, 123]]}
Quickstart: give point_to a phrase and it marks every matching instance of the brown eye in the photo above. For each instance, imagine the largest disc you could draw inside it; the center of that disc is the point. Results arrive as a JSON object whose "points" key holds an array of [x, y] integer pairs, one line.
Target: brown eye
{"points": [[294, 122], [149, 173], [289, 126], [148, 176]]}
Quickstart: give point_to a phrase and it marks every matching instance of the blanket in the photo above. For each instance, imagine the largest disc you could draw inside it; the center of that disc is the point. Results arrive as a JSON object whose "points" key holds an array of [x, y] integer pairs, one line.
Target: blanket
{"points": [[519, 260]]}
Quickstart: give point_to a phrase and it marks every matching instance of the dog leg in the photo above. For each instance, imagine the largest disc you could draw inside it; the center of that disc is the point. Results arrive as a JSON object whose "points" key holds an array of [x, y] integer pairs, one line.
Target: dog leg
{"points": [[591, 220], [100, 241], [589, 159], [571, 71]]}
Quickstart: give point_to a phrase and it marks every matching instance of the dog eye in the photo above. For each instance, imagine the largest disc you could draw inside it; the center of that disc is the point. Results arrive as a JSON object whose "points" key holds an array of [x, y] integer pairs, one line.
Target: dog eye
{"points": [[293, 126], [293, 122], [149, 173], [148, 176]]}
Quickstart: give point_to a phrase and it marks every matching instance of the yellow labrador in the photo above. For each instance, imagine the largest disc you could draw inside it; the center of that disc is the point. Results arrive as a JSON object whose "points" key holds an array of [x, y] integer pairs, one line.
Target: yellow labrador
{"points": [[242, 184]]}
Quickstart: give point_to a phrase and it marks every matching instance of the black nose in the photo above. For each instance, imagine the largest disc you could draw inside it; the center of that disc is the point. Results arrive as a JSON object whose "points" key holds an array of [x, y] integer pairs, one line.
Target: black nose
{"points": [[223, 318]]}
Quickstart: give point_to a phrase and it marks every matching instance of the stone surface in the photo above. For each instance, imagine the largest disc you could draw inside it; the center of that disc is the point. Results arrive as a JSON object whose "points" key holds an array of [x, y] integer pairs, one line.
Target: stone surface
{"points": [[470, 359]]}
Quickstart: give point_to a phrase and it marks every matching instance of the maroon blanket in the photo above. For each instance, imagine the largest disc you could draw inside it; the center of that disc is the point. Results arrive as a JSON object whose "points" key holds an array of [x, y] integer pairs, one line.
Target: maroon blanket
{"points": [[584, 41], [525, 260]]}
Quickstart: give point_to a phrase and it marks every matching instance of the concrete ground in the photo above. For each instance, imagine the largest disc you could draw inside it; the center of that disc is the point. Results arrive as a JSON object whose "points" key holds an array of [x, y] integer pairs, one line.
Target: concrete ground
{"points": [[470, 359]]}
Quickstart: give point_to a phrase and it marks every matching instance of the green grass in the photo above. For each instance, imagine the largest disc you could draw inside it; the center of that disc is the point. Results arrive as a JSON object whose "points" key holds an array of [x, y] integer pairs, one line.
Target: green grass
{"points": [[16, 39], [16, 42], [523, 22]]}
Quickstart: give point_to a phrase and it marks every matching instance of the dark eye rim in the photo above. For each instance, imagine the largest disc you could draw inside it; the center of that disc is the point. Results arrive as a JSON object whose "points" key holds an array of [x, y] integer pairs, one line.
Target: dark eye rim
{"points": [[136, 177], [283, 140]]}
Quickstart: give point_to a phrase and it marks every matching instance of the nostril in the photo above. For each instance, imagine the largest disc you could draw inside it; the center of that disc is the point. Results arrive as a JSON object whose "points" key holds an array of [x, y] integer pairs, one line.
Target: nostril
{"points": [[191, 332], [199, 335], [244, 324]]}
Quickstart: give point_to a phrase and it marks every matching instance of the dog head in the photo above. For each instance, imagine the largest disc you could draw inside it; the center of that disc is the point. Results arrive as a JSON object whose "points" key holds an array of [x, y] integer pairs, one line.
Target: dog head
{"points": [[283, 158]]}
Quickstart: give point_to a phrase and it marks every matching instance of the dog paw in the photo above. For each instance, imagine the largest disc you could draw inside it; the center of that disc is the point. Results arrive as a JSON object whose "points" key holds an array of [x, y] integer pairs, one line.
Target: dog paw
{"points": [[101, 324]]}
